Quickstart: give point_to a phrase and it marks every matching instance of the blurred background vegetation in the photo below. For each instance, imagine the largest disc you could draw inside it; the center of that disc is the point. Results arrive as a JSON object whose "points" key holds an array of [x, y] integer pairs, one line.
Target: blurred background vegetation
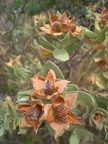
{"points": [[19, 29]]}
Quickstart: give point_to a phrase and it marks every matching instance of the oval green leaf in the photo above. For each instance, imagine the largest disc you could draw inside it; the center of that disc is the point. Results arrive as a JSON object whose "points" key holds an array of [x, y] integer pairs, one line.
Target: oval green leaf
{"points": [[50, 65], [61, 54], [74, 139], [85, 99]]}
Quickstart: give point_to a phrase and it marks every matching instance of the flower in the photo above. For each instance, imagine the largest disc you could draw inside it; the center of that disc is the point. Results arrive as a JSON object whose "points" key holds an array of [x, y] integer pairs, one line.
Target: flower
{"points": [[57, 26], [13, 61], [101, 63], [98, 117], [59, 115], [103, 17], [38, 19], [49, 86], [32, 114], [5, 103], [44, 53], [92, 43], [72, 28]]}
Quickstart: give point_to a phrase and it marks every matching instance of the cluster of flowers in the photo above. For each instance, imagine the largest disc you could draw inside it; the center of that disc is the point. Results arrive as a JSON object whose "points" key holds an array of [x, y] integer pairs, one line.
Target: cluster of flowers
{"points": [[56, 111], [60, 24]]}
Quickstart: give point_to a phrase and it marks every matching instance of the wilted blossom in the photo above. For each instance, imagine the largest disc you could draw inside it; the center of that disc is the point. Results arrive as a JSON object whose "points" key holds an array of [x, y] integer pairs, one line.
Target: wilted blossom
{"points": [[44, 53], [57, 26], [32, 114], [103, 17], [49, 86], [38, 19], [98, 117], [58, 114], [60, 24], [13, 61], [73, 28]]}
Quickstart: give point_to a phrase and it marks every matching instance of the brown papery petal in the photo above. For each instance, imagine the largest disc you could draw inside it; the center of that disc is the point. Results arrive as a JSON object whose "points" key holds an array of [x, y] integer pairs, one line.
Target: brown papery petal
{"points": [[52, 18], [97, 16], [25, 122], [70, 99], [59, 128], [72, 118], [50, 76], [35, 102], [61, 84], [64, 27], [105, 11], [47, 115], [23, 108], [50, 116], [78, 28], [38, 93], [41, 78], [57, 34], [18, 58], [58, 101], [37, 83], [72, 21], [63, 18], [46, 30], [36, 125]]}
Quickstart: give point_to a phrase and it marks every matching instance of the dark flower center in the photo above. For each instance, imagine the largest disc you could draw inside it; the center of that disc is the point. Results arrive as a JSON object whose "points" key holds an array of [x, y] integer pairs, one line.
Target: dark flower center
{"points": [[73, 28], [33, 113], [61, 114], [99, 116], [48, 88], [57, 26]]}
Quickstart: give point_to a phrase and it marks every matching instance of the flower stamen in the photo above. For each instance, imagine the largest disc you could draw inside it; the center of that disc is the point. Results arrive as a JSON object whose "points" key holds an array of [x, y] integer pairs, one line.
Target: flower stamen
{"points": [[57, 26], [33, 113], [61, 114]]}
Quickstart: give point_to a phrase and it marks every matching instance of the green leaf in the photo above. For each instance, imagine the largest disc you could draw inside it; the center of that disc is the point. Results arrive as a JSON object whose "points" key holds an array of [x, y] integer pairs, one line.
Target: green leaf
{"points": [[71, 87], [90, 34], [106, 136], [2, 131], [46, 44], [50, 65], [25, 93], [61, 54], [23, 100], [26, 74], [97, 27], [12, 84], [100, 125], [102, 102], [22, 131], [12, 109], [16, 69], [2, 114], [14, 123], [85, 99], [74, 139], [100, 38], [51, 131], [66, 38], [7, 124], [101, 81], [72, 45], [83, 132]]}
